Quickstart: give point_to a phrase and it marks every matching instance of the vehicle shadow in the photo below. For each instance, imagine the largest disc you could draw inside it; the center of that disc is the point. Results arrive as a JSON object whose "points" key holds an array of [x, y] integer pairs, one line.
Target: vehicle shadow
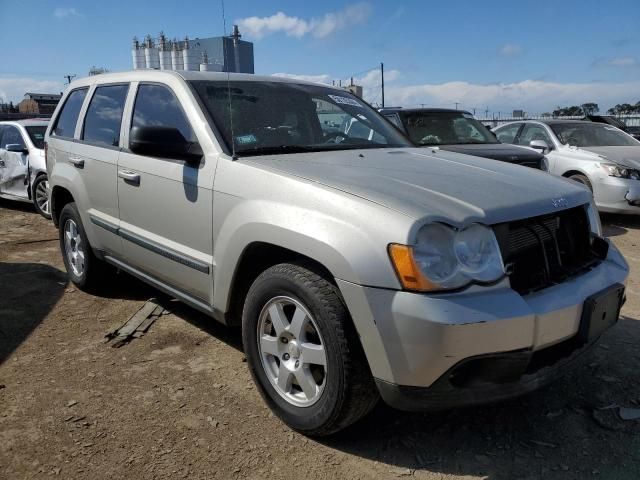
{"points": [[615, 224], [17, 206], [28, 292], [562, 431]]}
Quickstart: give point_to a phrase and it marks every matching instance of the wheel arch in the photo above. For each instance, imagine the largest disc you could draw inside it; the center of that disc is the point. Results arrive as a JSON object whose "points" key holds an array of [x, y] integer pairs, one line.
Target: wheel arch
{"points": [[60, 197]]}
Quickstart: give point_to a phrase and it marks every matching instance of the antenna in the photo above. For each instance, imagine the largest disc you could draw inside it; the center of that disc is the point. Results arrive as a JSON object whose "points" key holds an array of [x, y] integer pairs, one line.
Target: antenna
{"points": [[224, 51]]}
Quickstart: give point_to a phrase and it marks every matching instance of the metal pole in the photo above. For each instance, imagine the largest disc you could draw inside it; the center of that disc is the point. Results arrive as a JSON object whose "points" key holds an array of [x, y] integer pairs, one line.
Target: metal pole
{"points": [[382, 76]]}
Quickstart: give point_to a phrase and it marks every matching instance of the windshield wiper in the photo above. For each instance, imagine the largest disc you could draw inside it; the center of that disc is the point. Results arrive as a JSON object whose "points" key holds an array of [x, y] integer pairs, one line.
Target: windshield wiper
{"points": [[275, 150]]}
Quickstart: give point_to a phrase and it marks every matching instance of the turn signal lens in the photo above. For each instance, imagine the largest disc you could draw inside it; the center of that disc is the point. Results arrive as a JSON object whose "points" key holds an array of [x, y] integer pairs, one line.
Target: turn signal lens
{"points": [[408, 270]]}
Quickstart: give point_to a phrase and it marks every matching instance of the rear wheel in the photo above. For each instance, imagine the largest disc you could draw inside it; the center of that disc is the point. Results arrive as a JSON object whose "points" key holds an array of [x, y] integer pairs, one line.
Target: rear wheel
{"points": [[578, 177], [40, 196], [84, 269], [304, 353]]}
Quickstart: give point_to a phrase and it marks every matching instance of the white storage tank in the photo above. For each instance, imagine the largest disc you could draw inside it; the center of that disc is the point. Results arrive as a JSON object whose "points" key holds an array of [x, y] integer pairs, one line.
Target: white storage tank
{"points": [[176, 56], [151, 58], [164, 47], [137, 55], [189, 57]]}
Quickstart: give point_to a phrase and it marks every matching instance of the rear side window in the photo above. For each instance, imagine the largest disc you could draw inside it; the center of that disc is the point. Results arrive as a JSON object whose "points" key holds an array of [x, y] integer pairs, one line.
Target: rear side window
{"points": [[157, 106], [104, 115], [68, 117], [507, 134]]}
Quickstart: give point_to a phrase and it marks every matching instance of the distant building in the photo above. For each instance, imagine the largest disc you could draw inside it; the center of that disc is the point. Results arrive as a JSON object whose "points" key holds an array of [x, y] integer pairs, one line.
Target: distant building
{"points": [[216, 54], [39, 103]]}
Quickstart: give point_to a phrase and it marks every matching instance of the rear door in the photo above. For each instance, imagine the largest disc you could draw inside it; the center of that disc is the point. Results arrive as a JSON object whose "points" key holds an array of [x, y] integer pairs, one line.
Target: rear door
{"points": [[166, 204], [13, 165], [96, 156]]}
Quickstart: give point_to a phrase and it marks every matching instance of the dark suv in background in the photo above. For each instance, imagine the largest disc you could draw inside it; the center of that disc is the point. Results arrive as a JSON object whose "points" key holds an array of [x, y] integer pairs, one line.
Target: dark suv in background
{"points": [[458, 131]]}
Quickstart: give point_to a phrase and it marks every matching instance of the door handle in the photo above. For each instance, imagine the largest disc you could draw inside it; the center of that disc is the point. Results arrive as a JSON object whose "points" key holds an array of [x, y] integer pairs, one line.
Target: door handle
{"points": [[76, 162], [130, 177]]}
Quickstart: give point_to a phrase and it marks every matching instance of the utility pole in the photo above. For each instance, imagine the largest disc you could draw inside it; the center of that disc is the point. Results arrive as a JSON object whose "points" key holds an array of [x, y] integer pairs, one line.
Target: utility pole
{"points": [[457, 103], [382, 76], [69, 78]]}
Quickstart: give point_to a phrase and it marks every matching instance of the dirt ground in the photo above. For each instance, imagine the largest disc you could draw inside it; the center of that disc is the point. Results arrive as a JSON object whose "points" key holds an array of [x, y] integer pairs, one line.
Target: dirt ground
{"points": [[179, 402]]}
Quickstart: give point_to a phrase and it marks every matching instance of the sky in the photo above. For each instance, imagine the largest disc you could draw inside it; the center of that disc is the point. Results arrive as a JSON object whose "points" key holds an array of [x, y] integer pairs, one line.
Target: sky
{"points": [[490, 55]]}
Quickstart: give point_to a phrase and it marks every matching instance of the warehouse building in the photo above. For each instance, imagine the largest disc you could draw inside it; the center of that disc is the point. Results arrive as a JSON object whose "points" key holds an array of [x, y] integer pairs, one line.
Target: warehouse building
{"points": [[39, 103], [216, 54]]}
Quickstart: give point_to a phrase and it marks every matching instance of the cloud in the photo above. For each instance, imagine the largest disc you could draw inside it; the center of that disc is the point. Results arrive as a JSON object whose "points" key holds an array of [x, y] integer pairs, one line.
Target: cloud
{"points": [[533, 96], [510, 50], [623, 62], [320, 27], [62, 12], [12, 89]]}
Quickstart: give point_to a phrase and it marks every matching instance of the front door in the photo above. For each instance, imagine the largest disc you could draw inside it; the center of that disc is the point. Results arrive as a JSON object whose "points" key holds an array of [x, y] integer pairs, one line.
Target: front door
{"points": [[166, 204], [14, 165]]}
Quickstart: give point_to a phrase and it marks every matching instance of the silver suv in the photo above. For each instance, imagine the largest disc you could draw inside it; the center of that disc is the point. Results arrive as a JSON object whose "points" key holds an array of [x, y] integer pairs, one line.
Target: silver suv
{"points": [[357, 267]]}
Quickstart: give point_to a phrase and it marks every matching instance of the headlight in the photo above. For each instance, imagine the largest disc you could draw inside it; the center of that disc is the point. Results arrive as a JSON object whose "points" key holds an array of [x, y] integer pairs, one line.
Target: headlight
{"points": [[620, 171], [444, 258]]}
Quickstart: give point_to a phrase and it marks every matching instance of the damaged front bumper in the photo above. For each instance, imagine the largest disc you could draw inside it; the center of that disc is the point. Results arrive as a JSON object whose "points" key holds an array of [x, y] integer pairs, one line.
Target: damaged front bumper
{"points": [[482, 345]]}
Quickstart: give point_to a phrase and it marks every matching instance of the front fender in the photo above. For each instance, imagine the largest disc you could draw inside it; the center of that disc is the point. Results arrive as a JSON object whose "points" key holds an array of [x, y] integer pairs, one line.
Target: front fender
{"points": [[346, 248]]}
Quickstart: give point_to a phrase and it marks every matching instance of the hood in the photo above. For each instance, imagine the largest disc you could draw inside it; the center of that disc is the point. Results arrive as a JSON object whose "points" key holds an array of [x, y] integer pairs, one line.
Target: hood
{"points": [[434, 184], [627, 156], [499, 151]]}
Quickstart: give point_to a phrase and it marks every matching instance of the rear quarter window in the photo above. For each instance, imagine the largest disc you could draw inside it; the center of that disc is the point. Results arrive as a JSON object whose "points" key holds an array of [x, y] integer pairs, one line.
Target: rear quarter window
{"points": [[65, 125]]}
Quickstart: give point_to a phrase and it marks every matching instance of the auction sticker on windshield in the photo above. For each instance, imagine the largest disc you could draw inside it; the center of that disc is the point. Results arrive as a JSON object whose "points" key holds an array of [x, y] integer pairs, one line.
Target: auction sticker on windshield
{"points": [[344, 100]]}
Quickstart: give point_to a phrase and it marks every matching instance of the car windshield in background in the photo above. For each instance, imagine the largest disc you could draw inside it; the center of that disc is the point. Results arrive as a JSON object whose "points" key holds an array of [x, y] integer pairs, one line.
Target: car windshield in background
{"points": [[278, 117], [592, 135], [445, 128], [36, 134]]}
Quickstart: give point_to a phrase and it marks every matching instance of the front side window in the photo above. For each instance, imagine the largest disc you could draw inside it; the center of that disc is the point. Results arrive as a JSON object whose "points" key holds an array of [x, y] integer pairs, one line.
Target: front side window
{"points": [[157, 106], [592, 135], [68, 117], [36, 134], [261, 118], [104, 115], [445, 128], [508, 133], [533, 132], [11, 135]]}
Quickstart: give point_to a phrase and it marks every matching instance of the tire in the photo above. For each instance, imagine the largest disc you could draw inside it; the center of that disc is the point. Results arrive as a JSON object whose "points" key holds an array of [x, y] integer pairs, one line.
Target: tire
{"points": [[83, 268], [578, 177], [344, 387], [40, 196]]}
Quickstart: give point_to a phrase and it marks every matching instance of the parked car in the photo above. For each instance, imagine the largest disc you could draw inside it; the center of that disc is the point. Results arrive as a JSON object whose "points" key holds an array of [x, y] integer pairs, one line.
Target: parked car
{"points": [[616, 122], [600, 156], [458, 131], [23, 173], [356, 268]]}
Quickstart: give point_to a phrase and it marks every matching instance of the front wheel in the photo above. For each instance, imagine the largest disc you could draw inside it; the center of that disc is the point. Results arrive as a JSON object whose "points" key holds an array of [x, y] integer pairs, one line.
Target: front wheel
{"points": [[578, 177], [40, 196], [304, 353]]}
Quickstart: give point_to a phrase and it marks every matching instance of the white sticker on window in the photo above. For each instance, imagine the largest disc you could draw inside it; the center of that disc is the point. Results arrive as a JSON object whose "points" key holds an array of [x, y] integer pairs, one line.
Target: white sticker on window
{"points": [[246, 139], [467, 115], [345, 100]]}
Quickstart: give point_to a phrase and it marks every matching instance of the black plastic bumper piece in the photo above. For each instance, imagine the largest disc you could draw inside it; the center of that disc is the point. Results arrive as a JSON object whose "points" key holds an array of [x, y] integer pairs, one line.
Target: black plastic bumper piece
{"points": [[488, 378]]}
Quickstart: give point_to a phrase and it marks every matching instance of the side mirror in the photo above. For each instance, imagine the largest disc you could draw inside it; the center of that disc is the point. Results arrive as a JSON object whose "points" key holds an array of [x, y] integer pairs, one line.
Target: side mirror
{"points": [[540, 145], [164, 142], [16, 147]]}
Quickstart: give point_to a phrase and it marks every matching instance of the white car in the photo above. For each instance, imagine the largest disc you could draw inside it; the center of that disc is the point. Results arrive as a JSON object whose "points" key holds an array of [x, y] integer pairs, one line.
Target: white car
{"points": [[23, 172], [600, 156]]}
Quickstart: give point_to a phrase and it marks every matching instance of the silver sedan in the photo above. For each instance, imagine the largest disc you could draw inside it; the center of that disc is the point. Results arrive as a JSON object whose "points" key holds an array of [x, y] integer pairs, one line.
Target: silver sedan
{"points": [[600, 156]]}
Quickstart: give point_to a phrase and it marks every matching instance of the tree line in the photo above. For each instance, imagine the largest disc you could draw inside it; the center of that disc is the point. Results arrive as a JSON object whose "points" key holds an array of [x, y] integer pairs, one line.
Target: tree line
{"points": [[592, 109]]}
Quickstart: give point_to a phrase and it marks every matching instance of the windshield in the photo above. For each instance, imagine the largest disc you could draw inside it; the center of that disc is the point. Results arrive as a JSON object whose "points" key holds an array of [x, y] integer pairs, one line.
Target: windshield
{"points": [[592, 135], [36, 134], [445, 128], [279, 117]]}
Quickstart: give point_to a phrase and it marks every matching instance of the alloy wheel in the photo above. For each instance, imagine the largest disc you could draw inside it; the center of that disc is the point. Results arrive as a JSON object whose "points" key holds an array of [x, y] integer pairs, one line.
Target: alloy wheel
{"points": [[73, 247], [292, 351]]}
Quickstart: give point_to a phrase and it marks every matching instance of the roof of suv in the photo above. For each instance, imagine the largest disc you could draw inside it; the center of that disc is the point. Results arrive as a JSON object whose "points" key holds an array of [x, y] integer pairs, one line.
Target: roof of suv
{"points": [[150, 75]]}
